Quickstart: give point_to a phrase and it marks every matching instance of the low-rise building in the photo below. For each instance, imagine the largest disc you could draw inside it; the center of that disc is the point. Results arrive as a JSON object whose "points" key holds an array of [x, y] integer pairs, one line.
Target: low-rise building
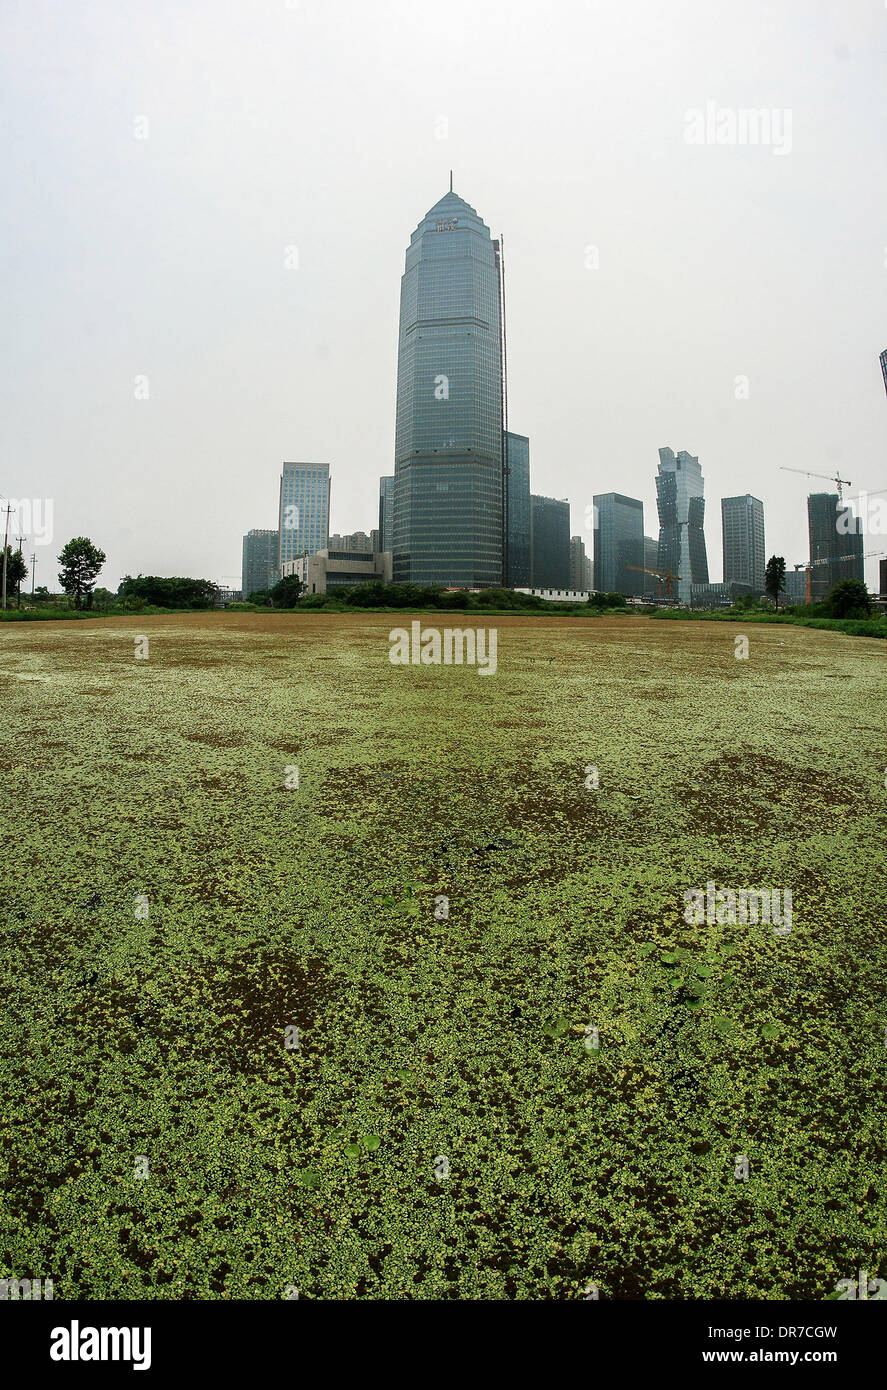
{"points": [[340, 569]]}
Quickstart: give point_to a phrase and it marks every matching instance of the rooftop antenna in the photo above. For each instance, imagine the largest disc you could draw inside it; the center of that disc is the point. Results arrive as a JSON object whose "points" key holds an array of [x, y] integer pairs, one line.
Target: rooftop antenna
{"points": [[451, 180]]}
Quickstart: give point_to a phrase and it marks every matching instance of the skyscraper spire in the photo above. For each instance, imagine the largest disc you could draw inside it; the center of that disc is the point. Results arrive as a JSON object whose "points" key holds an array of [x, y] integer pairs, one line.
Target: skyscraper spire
{"points": [[451, 180]]}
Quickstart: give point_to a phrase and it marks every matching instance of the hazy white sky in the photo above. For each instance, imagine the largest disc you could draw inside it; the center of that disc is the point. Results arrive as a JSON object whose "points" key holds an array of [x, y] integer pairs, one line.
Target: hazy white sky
{"points": [[332, 127]]}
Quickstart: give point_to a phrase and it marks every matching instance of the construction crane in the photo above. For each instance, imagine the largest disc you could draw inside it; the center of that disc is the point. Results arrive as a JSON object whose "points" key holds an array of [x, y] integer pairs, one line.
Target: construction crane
{"points": [[827, 560], [668, 578], [840, 483]]}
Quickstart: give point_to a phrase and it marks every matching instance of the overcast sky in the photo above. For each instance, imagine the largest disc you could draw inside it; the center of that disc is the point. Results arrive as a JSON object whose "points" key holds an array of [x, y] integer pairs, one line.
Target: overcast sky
{"points": [[332, 127]]}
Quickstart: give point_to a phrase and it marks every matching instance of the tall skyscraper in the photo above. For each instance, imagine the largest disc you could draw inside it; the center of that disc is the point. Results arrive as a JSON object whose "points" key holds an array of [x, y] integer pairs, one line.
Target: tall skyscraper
{"points": [[742, 527], [549, 543], [681, 505], [651, 562], [882, 578], [448, 465], [260, 561], [834, 538], [517, 488], [386, 512], [619, 544], [579, 565], [304, 510], [883, 360]]}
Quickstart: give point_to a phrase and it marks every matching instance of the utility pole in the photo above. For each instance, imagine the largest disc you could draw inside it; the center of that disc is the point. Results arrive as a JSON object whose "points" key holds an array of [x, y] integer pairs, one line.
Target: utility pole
{"points": [[5, 545]]}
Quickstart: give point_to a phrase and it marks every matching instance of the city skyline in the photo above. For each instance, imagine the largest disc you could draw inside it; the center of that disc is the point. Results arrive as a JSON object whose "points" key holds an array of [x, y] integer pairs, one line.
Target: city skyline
{"points": [[265, 318]]}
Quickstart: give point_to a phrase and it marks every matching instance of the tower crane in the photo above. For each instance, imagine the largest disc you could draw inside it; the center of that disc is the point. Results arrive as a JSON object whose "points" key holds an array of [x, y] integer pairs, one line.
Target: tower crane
{"points": [[840, 483]]}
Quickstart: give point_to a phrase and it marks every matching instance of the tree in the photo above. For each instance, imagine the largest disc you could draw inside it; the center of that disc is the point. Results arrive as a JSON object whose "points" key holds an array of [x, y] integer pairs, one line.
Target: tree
{"points": [[598, 599], [774, 578], [16, 570], [287, 591], [849, 599], [160, 591], [102, 599], [80, 563]]}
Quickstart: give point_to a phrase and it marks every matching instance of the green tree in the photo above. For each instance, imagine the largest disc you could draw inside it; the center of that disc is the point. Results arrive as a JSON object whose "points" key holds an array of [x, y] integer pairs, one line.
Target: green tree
{"points": [[102, 599], [849, 599], [16, 571], [602, 600], [161, 591], [774, 578], [80, 563], [287, 591]]}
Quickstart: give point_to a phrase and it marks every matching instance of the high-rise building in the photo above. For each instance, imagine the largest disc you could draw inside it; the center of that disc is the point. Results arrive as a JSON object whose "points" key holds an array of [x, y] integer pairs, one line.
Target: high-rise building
{"points": [[260, 561], [517, 489], [619, 544], [883, 360], [681, 504], [448, 465], [549, 543], [578, 564], [354, 541], [651, 562], [835, 542], [386, 511], [882, 578], [742, 527], [304, 510], [795, 586]]}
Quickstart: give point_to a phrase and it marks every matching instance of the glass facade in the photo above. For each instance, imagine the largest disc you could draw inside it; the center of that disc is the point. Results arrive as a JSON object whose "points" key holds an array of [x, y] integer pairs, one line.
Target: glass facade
{"points": [[834, 554], [304, 510], [517, 492], [448, 467], [260, 561], [742, 528], [386, 513], [549, 543], [681, 504], [619, 545]]}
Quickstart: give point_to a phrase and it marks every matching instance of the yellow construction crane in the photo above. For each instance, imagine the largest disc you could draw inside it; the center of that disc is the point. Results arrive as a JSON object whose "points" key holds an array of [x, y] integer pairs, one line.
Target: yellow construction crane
{"points": [[668, 578]]}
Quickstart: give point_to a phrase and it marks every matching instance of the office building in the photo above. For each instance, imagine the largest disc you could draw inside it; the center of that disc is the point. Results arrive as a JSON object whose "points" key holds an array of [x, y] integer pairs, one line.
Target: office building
{"points": [[619, 544], [651, 553], [259, 568], [448, 465], [549, 543], [742, 529], [578, 565], [354, 541], [386, 512], [304, 510], [795, 586], [883, 361], [836, 543], [340, 569], [517, 492], [681, 505]]}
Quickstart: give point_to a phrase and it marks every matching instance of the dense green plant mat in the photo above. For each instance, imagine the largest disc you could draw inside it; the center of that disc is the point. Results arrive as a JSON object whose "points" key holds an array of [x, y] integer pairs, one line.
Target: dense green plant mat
{"points": [[428, 1045]]}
